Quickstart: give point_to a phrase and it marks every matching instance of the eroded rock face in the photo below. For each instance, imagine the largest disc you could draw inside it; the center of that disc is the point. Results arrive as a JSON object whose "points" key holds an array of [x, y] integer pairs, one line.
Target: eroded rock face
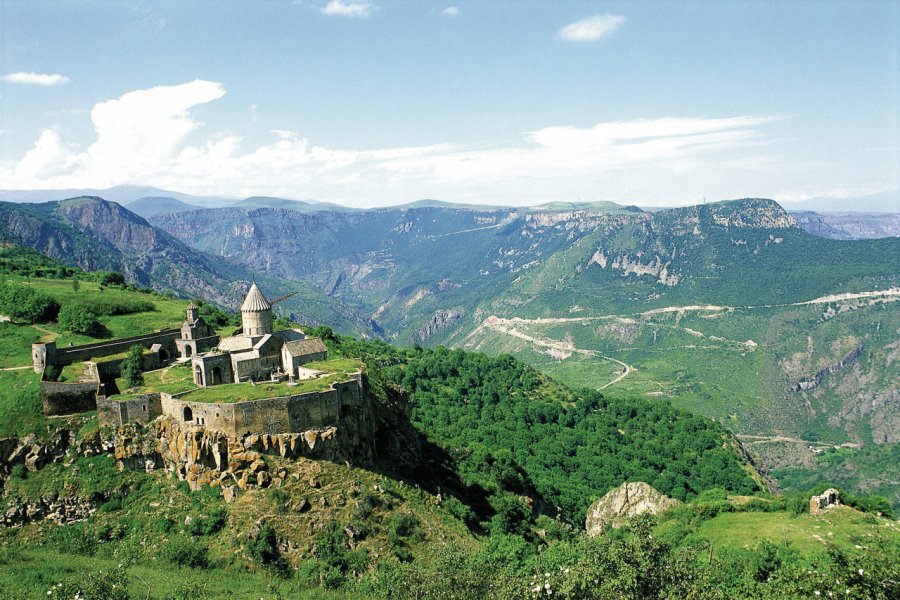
{"points": [[626, 501], [207, 457]]}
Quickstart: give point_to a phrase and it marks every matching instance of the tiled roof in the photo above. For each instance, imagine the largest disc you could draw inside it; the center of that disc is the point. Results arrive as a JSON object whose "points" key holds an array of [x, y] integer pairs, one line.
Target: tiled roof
{"points": [[255, 301], [304, 347]]}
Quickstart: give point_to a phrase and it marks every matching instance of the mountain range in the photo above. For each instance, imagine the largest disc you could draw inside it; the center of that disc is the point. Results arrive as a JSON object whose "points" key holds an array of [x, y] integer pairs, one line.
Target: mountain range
{"points": [[729, 309]]}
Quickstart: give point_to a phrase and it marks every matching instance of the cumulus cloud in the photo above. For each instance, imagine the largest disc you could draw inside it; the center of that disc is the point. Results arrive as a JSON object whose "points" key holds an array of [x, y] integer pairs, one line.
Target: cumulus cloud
{"points": [[144, 138], [31, 78], [592, 28], [341, 8], [450, 11]]}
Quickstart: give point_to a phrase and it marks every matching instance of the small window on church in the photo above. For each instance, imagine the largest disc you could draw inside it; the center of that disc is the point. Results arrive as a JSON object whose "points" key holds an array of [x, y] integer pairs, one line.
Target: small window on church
{"points": [[145, 407]]}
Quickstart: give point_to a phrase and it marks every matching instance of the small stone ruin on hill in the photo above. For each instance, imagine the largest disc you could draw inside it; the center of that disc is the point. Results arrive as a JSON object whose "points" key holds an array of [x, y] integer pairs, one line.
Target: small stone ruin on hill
{"points": [[827, 499]]}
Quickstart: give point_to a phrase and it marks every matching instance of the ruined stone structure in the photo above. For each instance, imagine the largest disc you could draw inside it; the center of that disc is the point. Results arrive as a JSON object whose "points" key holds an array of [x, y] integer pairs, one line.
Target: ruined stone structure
{"points": [[827, 499]]}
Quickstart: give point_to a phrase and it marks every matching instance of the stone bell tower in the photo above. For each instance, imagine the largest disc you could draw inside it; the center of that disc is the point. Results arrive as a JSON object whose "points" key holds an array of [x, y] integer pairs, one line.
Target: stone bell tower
{"points": [[256, 313]]}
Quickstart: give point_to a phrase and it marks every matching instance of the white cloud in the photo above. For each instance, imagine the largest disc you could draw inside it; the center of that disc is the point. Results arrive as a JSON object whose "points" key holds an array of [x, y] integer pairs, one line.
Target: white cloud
{"points": [[341, 8], [32, 78], [450, 11], [591, 28], [143, 139]]}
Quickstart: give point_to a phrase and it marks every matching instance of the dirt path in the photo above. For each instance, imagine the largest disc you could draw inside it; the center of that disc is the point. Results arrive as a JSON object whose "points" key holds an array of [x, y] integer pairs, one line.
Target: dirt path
{"points": [[749, 440], [558, 349]]}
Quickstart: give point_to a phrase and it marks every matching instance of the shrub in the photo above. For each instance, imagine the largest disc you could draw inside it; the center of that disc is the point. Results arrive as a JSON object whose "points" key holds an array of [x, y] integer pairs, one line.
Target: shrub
{"points": [[75, 538], [97, 585], [133, 367], [106, 307], [185, 552], [78, 318], [26, 304], [209, 524], [263, 548], [111, 278]]}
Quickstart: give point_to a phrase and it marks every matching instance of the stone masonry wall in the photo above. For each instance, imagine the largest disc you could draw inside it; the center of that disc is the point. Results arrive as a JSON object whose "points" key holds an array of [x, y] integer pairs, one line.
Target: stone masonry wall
{"points": [[140, 409], [68, 398], [66, 356], [285, 414]]}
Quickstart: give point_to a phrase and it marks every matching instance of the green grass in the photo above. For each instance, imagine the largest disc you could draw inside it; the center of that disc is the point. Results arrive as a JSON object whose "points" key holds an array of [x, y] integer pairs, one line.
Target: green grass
{"points": [[842, 526], [72, 373], [167, 313], [20, 403], [32, 573], [178, 378], [244, 392], [172, 380], [15, 349]]}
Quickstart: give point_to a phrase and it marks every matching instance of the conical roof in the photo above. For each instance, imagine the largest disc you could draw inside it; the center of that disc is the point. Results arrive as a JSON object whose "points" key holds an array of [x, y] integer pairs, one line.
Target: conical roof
{"points": [[255, 301]]}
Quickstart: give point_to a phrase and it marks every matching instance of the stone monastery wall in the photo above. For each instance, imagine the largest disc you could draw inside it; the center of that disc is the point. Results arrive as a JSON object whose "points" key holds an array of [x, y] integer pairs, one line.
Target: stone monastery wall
{"points": [[284, 414], [48, 354], [59, 398]]}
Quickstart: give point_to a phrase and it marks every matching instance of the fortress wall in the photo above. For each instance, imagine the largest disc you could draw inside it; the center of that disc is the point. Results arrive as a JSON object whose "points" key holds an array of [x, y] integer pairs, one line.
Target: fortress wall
{"points": [[140, 409], [283, 414], [108, 414], [213, 416], [66, 356], [68, 398]]}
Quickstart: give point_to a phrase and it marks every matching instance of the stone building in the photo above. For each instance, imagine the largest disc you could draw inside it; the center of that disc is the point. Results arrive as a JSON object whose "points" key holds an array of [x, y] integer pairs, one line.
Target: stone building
{"points": [[196, 335], [827, 499], [258, 352]]}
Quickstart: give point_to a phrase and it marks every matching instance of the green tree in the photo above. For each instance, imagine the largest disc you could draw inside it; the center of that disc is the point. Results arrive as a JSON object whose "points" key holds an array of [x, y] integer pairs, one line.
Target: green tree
{"points": [[78, 318], [133, 367]]}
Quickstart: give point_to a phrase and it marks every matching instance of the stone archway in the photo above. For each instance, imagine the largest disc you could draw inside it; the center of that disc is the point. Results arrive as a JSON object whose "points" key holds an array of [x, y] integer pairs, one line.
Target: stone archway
{"points": [[188, 414], [216, 375], [188, 351], [198, 375]]}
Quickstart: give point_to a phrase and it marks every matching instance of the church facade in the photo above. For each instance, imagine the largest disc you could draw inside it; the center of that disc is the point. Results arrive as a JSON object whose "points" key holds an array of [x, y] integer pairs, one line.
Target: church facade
{"points": [[257, 353]]}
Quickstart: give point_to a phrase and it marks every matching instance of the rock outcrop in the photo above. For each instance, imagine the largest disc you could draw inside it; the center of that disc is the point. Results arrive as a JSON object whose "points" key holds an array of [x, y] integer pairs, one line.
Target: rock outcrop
{"points": [[849, 359], [626, 501]]}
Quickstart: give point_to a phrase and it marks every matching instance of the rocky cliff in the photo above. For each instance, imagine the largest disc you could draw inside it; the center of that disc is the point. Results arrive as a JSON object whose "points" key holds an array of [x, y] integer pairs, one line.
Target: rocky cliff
{"points": [[624, 502]]}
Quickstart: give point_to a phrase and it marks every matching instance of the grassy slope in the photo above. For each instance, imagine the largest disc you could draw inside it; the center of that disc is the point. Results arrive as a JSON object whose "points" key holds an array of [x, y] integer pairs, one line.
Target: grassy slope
{"points": [[20, 402]]}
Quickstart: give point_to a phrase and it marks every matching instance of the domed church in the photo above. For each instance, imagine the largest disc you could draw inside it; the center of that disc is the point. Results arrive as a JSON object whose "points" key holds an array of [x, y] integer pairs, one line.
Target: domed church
{"points": [[258, 353]]}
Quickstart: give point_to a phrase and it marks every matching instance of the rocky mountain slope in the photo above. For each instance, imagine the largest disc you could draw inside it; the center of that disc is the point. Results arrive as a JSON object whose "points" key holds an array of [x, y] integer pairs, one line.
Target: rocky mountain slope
{"points": [[728, 309], [849, 225], [94, 234]]}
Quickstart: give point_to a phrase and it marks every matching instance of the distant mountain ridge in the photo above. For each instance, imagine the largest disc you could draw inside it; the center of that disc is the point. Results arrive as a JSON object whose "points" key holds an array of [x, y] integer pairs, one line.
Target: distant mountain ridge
{"points": [[849, 225], [94, 234], [720, 308]]}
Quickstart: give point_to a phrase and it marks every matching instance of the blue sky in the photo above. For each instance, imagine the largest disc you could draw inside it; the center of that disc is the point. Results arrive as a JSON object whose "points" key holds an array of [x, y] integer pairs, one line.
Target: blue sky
{"points": [[514, 102]]}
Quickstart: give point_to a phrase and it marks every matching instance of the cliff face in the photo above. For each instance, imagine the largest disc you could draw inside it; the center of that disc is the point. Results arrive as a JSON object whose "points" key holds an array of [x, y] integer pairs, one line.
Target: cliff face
{"points": [[624, 502], [367, 433]]}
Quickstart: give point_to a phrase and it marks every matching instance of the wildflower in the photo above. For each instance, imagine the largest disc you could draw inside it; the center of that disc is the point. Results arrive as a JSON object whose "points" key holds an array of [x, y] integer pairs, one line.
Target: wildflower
{"points": [[860, 571], [547, 585], [817, 593]]}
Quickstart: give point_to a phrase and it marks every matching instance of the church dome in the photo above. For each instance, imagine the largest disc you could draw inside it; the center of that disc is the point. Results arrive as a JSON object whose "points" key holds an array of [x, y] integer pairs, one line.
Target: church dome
{"points": [[255, 301]]}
